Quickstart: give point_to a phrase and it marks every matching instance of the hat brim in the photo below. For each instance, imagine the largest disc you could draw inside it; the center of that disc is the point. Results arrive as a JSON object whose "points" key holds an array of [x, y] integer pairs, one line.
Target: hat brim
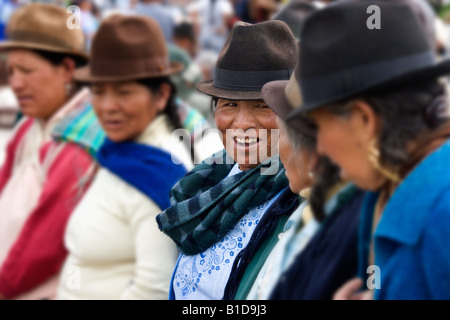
{"points": [[10, 45], [84, 74], [401, 81], [274, 94], [208, 87]]}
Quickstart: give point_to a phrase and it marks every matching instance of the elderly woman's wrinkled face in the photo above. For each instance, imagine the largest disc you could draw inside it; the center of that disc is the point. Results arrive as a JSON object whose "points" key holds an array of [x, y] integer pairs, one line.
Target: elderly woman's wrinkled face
{"points": [[297, 162], [125, 109], [39, 86], [345, 140], [249, 130]]}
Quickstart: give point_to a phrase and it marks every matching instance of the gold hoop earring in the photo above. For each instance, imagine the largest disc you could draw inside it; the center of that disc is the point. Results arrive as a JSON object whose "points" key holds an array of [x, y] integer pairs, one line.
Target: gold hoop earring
{"points": [[374, 158], [68, 89]]}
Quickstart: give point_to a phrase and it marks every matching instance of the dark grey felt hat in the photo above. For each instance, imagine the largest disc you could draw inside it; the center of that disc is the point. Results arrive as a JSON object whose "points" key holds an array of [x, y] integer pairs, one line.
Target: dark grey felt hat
{"points": [[253, 55]]}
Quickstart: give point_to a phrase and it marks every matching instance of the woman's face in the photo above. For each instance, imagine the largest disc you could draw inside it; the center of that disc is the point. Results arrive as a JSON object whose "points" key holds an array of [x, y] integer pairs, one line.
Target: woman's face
{"points": [[125, 109], [39, 86], [345, 140], [295, 161], [247, 127]]}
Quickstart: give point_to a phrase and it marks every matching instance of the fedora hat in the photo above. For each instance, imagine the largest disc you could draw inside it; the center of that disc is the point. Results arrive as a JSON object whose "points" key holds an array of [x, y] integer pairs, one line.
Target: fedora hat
{"points": [[343, 55], [252, 55], [281, 96], [294, 13], [43, 26], [128, 47]]}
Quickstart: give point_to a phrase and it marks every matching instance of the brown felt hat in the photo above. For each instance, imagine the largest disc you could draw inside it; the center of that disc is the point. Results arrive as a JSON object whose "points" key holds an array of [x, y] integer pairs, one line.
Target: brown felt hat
{"points": [[253, 55], [128, 47], [43, 26]]}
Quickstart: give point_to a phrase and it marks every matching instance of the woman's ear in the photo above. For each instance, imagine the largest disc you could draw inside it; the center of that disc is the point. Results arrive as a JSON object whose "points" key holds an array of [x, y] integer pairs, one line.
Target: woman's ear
{"points": [[163, 96], [365, 119], [68, 66]]}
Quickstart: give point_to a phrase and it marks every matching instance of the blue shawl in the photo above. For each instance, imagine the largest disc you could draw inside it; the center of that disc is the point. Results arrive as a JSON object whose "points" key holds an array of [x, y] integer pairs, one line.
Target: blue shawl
{"points": [[149, 169]]}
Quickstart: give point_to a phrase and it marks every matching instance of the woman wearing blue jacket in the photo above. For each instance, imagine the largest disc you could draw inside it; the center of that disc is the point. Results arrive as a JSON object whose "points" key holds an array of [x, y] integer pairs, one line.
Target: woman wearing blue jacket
{"points": [[382, 117]]}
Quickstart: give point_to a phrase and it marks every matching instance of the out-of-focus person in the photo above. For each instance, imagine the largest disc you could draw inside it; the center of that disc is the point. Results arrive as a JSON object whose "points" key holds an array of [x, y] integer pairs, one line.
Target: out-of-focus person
{"points": [[388, 130], [7, 7], [212, 21], [194, 107], [318, 252], [41, 180], [9, 108], [185, 37], [115, 247], [157, 10], [88, 20], [294, 13]]}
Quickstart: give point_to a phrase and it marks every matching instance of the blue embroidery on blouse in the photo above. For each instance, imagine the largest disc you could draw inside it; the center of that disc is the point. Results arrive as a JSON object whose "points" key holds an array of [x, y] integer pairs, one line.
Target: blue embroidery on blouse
{"points": [[210, 269]]}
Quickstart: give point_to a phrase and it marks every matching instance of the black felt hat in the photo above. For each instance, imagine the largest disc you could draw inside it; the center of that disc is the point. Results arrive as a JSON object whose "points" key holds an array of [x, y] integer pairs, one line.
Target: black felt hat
{"points": [[351, 48], [253, 55]]}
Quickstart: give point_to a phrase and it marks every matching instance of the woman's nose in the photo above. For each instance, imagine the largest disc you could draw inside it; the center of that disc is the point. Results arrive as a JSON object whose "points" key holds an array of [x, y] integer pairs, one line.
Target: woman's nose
{"points": [[108, 103], [245, 120]]}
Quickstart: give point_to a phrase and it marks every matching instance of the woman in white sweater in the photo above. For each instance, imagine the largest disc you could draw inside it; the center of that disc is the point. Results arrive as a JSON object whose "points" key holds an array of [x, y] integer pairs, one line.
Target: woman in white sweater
{"points": [[116, 250]]}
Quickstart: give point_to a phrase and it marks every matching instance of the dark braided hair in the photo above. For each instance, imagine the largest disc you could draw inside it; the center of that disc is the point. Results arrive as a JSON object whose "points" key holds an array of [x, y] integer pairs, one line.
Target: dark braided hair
{"points": [[56, 58], [326, 176], [154, 84], [171, 110]]}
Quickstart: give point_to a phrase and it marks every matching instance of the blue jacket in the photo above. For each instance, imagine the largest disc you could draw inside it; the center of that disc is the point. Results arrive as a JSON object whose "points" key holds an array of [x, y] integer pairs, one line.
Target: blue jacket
{"points": [[412, 239]]}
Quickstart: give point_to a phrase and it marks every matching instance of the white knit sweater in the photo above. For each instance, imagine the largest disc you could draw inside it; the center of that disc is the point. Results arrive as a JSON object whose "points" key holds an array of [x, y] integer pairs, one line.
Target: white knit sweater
{"points": [[116, 250]]}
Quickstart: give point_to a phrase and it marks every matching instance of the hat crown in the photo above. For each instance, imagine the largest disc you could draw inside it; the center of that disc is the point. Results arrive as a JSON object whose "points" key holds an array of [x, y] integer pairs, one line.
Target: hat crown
{"points": [[130, 47], [128, 37], [338, 37], [45, 24], [355, 47], [252, 55], [263, 46]]}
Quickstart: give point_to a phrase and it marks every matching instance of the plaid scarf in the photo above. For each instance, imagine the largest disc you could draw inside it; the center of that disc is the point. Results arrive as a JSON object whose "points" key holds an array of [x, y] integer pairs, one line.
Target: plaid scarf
{"points": [[207, 203], [81, 126]]}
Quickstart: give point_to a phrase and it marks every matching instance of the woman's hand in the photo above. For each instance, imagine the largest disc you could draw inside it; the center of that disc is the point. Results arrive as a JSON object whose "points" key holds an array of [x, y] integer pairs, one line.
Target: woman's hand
{"points": [[351, 291]]}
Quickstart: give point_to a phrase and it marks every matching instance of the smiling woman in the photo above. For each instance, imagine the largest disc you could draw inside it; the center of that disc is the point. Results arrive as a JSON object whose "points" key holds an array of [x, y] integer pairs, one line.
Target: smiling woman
{"points": [[222, 202], [246, 127]]}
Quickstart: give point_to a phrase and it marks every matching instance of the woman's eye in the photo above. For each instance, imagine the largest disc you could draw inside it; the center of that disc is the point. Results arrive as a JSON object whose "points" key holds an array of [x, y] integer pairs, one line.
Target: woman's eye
{"points": [[23, 70], [96, 92]]}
